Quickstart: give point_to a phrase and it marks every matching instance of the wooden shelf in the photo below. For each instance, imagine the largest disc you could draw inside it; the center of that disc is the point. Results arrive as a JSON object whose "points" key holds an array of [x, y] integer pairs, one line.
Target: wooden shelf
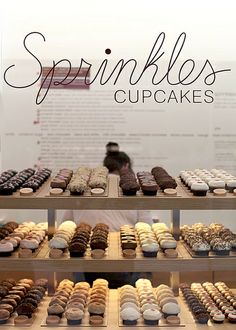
{"points": [[115, 201], [113, 322], [115, 262]]}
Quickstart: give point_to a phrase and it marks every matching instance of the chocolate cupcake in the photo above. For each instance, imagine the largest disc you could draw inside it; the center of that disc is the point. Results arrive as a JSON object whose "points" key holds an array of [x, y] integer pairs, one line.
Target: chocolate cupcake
{"points": [[25, 309], [163, 179], [77, 249]]}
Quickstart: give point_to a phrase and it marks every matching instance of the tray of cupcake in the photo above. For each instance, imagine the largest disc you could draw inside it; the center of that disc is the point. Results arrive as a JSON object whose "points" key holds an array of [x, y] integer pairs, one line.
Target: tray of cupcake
{"points": [[210, 241], [210, 303], [79, 241], [145, 184], [25, 183], [145, 241], [84, 182], [143, 305], [78, 304], [21, 301], [23, 240], [204, 182]]}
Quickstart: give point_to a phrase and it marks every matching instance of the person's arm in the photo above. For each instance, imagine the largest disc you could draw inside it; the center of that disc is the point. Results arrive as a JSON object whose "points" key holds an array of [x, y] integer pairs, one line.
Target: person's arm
{"points": [[145, 216]]}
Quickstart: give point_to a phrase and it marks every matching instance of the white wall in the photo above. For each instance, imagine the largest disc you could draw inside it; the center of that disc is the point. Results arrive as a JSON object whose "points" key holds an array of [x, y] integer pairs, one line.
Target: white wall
{"points": [[75, 29]]}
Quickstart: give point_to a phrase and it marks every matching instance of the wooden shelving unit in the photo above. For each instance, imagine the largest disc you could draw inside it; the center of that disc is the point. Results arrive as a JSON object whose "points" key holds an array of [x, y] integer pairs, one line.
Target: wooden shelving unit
{"points": [[113, 261]]}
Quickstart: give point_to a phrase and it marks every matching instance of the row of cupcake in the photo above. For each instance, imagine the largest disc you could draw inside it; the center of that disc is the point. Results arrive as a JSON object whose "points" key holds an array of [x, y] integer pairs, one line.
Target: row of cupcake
{"points": [[149, 307], [58, 302], [147, 183], [61, 238], [195, 305], [98, 301], [61, 179], [7, 175], [22, 297], [27, 235], [79, 242], [227, 293], [163, 179], [128, 241], [77, 303], [168, 303], [147, 239], [129, 305], [165, 239]]}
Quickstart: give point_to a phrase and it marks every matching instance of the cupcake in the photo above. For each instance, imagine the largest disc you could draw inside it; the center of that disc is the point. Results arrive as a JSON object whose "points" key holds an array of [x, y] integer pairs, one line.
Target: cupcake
{"points": [[4, 315], [151, 316], [221, 247], [202, 318], [231, 185], [55, 310], [201, 248], [129, 316], [218, 317], [6, 248], [74, 316], [199, 188], [150, 249], [25, 309], [232, 317], [96, 308], [170, 308]]}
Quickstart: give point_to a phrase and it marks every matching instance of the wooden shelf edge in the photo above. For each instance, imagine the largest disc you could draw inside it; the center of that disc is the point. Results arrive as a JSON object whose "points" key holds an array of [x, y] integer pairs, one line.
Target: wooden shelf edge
{"points": [[114, 265]]}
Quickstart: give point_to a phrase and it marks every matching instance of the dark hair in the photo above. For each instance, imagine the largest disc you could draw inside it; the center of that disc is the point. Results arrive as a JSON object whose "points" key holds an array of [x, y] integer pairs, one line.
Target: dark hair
{"points": [[115, 159]]}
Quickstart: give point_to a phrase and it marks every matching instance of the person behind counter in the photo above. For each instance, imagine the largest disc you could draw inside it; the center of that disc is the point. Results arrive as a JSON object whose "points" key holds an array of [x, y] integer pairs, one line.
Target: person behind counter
{"points": [[116, 161]]}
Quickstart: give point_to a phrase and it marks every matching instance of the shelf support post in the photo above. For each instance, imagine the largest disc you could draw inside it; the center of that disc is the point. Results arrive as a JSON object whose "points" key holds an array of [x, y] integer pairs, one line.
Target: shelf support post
{"points": [[51, 222], [175, 224], [51, 231], [174, 282], [51, 283]]}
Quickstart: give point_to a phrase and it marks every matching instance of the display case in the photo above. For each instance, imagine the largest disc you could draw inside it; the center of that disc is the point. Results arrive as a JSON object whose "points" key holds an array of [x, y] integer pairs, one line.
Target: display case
{"points": [[114, 261]]}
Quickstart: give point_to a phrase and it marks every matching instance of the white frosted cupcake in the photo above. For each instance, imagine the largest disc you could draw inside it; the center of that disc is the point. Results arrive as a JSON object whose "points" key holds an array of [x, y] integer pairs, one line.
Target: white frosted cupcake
{"points": [[199, 188], [170, 308], [152, 316], [129, 316]]}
